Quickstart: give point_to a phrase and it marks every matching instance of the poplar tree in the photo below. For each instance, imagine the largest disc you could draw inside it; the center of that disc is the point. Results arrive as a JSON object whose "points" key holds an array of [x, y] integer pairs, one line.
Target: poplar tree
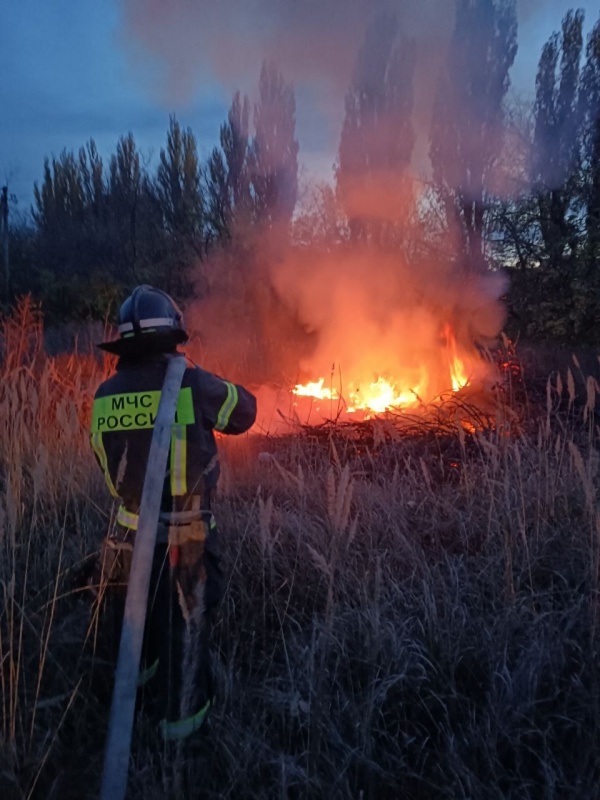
{"points": [[377, 136], [228, 180], [556, 138], [59, 213], [125, 189], [91, 169], [77, 242], [273, 154], [59, 200], [590, 104], [467, 126], [254, 179], [178, 185]]}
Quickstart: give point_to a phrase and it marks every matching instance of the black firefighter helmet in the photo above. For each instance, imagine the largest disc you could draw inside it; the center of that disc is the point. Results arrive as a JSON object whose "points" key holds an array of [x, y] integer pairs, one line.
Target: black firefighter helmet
{"points": [[149, 322]]}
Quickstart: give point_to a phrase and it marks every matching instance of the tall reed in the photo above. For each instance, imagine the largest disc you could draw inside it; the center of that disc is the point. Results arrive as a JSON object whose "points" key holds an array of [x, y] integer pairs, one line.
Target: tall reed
{"points": [[398, 622]]}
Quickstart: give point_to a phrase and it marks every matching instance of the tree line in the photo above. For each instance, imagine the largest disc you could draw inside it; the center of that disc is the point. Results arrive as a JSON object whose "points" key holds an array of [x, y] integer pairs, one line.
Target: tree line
{"points": [[100, 225], [512, 184]]}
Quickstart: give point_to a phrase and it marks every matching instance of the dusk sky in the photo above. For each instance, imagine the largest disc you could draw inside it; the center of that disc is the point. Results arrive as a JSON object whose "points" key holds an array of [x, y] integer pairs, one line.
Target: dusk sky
{"points": [[75, 70]]}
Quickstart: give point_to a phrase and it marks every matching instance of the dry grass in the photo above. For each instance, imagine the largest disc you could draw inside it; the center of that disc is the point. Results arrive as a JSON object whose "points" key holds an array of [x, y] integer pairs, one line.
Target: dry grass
{"points": [[397, 624]]}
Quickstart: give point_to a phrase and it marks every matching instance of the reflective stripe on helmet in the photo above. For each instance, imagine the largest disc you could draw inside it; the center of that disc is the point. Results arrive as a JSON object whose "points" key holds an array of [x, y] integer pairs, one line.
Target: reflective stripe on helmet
{"points": [[227, 407], [153, 322]]}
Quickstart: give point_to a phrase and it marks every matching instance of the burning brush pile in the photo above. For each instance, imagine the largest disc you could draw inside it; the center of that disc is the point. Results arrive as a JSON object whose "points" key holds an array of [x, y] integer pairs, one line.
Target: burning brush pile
{"points": [[396, 352], [476, 388], [367, 425]]}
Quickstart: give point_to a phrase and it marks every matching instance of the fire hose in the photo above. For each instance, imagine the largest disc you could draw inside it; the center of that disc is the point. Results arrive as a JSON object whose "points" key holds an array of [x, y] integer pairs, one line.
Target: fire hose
{"points": [[116, 759]]}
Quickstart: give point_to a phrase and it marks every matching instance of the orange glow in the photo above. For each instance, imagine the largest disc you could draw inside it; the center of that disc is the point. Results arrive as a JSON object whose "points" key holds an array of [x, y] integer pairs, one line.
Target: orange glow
{"points": [[444, 371], [381, 395], [315, 389], [458, 369]]}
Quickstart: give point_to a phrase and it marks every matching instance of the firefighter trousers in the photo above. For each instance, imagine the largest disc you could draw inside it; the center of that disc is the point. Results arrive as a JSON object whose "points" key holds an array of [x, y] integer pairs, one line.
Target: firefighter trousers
{"points": [[186, 585]]}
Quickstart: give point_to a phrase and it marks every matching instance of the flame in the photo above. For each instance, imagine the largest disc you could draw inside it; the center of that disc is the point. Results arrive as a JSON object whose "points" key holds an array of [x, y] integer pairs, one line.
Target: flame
{"points": [[458, 369], [374, 397], [383, 393], [315, 389]]}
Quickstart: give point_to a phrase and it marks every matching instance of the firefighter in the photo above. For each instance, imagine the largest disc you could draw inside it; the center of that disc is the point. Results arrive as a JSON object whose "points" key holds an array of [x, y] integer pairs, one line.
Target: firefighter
{"points": [[186, 581]]}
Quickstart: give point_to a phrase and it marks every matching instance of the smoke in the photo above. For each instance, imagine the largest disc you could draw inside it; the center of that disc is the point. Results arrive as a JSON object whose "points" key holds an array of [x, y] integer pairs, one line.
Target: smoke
{"points": [[383, 316], [350, 316], [312, 41], [179, 48], [191, 45], [367, 313]]}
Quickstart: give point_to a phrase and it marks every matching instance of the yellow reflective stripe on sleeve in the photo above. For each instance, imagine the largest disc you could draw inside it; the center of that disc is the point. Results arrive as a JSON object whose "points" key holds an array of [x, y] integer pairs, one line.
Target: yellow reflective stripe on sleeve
{"points": [[98, 446], [227, 407], [127, 518], [137, 411], [178, 460]]}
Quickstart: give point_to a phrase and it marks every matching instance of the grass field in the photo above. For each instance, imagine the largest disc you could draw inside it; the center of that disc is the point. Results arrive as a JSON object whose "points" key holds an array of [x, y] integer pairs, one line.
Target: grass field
{"points": [[396, 624]]}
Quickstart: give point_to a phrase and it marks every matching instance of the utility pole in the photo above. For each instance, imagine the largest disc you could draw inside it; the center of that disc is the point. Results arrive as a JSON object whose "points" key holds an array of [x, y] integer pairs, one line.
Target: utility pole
{"points": [[4, 230]]}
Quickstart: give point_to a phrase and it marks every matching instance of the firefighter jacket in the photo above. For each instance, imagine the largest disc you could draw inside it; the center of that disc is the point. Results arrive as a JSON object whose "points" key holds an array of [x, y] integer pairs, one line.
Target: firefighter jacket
{"points": [[124, 412]]}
